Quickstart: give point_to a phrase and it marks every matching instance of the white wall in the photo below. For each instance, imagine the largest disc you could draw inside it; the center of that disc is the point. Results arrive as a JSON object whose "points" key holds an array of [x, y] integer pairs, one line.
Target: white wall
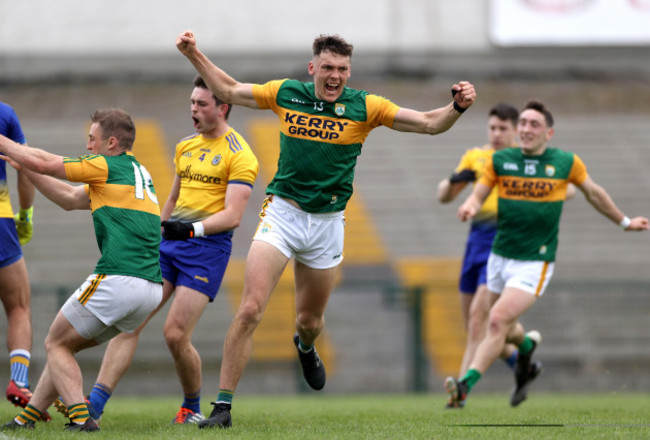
{"points": [[92, 27], [570, 22]]}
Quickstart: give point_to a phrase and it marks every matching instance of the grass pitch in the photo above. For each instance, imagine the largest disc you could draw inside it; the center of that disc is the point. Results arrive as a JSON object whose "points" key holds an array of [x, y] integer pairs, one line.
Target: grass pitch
{"points": [[400, 416]]}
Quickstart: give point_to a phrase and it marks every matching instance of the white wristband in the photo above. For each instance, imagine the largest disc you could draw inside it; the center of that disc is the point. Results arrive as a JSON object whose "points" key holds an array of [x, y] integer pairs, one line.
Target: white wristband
{"points": [[625, 222], [199, 230]]}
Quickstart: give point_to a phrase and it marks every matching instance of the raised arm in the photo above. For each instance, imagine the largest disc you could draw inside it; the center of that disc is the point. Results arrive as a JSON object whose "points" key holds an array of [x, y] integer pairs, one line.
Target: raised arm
{"points": [[603, 203], [437, 120], [33, 159], [225, 87]]}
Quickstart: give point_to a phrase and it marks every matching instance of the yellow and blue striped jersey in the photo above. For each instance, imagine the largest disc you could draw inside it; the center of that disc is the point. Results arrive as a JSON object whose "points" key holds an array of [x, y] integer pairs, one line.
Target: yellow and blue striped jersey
{"points": [[206, 166]]}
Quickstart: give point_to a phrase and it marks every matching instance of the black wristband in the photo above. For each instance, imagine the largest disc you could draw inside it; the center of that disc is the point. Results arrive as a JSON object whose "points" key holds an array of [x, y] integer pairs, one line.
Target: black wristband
{"points": [[463, 176], [177, 230], [458, 108]]}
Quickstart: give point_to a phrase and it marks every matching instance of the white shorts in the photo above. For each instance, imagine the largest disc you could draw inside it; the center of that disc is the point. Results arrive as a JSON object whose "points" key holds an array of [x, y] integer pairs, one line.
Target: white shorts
{"points": [[105, 305], [315, 240], [529, 276]]}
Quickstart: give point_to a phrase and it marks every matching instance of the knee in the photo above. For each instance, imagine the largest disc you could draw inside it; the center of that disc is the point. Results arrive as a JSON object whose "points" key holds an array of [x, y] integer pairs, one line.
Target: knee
{"points": [[516, 334], [49, 345], [497, 323], [173, 336], [249, 314], [309, 323]]}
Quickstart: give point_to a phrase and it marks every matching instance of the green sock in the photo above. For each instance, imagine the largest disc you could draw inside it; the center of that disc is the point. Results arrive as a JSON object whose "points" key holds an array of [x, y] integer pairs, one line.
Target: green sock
{"points": [[303, 347], [470, 378], [526, 346], [29, 414], [78, 413], [225, 396]]}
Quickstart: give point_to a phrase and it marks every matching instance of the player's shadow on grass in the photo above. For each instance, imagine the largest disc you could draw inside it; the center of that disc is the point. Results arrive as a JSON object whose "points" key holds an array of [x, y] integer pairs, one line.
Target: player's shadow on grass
{"points": [[510, 425], [548, 425]]}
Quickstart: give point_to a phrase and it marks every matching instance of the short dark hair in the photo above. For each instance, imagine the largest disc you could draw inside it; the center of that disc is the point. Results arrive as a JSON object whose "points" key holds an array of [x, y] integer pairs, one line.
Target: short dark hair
{"points": [[200, 83], [505, 112], [540, 107], [332, 43], [116, 123]]}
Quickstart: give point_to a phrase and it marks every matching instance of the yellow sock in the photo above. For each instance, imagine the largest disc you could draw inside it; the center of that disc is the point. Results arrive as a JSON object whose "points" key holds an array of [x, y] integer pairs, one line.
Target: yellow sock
{"points": [[78, 413], [28, 414]]}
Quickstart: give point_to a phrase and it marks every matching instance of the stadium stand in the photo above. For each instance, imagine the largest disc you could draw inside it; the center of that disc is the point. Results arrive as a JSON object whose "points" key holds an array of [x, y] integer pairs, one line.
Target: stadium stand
{"points": [[593, 317]]}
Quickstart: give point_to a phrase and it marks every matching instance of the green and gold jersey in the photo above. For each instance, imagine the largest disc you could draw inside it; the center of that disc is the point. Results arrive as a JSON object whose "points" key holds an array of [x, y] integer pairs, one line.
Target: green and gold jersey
{"points": [[320, 141], [531, 190], [206, 167], [125, 213]]}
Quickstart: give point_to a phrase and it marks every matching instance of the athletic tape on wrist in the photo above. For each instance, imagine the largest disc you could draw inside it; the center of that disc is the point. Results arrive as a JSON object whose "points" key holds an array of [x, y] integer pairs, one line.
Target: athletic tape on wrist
{"points": [[625, 222], [199, 230]]}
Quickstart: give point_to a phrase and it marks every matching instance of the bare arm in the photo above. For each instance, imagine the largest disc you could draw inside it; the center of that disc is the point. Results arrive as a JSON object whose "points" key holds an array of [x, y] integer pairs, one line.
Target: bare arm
{"points": [[603, 203], [237, 196], [473, 203], [170, 204], [33, 159], [437, 120], [448, 191], [25, 191], [67, 196], [570, 191], [225, 87], [449, 188]]}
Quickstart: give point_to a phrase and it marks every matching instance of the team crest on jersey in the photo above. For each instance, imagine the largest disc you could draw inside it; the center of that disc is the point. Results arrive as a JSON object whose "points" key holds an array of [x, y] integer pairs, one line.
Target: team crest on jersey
{"points": [[339, 109], [333, 200], [549, 170], [216, 159]]}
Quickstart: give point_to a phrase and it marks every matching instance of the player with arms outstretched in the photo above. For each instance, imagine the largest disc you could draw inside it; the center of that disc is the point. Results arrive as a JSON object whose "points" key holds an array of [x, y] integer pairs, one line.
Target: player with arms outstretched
{"points": [[532, 185], [322, 127]]}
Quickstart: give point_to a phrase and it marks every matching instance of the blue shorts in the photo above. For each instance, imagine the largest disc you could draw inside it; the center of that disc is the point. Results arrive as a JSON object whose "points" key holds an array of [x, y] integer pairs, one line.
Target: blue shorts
{"points": [[197, 263], [10, 251], [474, 270]]}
